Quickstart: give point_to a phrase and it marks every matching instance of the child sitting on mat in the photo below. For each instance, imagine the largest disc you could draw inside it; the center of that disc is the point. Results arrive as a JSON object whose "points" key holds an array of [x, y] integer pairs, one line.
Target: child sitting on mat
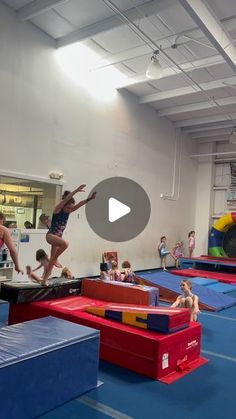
{"points": [[187, 299], [43, 259], [115, 274], [127, 274], [66, 273], [104, 271]]}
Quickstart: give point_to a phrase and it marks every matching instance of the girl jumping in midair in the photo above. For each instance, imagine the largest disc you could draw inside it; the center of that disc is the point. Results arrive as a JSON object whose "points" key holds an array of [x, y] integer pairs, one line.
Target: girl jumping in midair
{"points": [[59, 221]]}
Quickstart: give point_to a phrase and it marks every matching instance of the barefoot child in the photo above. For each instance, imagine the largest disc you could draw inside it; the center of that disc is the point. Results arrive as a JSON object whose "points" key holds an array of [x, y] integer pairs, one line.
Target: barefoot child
{"points": [[191, 243], [59, 221], [43, 259], [178, 252], [187, 299], [66, 273], [127, 274], [163, 252], [115, 274]]}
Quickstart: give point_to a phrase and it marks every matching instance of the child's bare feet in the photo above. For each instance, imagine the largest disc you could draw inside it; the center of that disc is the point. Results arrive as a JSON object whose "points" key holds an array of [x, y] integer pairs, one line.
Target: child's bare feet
{"points": [[44, 283], [58, 264]]}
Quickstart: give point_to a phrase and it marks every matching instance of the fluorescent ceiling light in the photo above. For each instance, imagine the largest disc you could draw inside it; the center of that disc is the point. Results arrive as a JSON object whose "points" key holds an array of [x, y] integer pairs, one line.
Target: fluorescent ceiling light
{"points": [[154, 70]]}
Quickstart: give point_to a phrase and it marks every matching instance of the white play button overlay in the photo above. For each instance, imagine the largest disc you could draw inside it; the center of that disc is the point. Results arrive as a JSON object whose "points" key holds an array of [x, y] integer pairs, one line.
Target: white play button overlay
{"points": [[120, 211], [117, 210]]}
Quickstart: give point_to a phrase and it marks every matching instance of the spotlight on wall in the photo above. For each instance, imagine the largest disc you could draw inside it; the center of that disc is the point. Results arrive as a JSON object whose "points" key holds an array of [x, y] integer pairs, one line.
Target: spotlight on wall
{"points": [[232, 137], [154, 70], [55, 175]]}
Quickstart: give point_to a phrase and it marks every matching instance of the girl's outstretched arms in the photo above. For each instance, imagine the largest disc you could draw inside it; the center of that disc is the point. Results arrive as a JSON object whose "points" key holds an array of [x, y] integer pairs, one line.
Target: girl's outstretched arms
{"points": [[64, 201], [85, 201]]}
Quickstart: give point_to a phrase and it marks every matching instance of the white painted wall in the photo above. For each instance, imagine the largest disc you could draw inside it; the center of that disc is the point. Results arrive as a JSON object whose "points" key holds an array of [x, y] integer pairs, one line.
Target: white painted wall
{"points": [[49, 123], [204, 202]]}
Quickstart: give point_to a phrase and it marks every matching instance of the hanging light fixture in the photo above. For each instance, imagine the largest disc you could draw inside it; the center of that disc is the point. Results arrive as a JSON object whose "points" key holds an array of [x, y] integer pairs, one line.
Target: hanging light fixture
{"points": [[154, 70], [232, 137]]}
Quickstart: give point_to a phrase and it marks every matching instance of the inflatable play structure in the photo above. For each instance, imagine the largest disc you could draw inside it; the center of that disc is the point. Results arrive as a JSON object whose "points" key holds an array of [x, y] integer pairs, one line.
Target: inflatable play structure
{"points": [[219, 236]]}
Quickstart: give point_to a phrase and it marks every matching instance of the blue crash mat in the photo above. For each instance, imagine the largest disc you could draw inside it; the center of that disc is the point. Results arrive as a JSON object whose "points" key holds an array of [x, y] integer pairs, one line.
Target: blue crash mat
{"points": [[45, 363], [221, 287], [203, 281], [214, 300]]}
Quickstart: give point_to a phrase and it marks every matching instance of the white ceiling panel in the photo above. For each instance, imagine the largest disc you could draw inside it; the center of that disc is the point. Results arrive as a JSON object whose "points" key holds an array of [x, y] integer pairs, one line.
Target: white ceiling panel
{"points": [[201, 50], [142, 89], [201, 114], [79, 13], [152, 27], [177, 19], [201, 75], [188, 99], [16, 4], [183, 116], [53, 24], [221, 71], [224, 8], [219, 93], [127, 4], [118, 39], [128, 42], [164, 104], [169, 83]]}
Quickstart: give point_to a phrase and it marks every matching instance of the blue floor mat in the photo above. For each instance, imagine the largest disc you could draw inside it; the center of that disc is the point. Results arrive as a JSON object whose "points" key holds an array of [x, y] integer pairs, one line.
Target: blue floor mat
{"points": [[208, 392], [217, 301]]}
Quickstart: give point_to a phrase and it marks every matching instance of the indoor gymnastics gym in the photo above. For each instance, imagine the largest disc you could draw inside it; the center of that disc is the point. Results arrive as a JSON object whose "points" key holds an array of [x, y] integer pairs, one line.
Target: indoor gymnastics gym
{"points": [[134, 100]]}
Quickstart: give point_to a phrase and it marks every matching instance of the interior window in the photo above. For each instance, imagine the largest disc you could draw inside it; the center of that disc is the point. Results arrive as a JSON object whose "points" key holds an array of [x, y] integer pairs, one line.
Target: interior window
{"points": [[25, 200]]}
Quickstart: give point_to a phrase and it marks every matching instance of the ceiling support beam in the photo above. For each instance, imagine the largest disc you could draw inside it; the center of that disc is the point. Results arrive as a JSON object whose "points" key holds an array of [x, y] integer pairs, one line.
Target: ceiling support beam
{"points": [[171, 94], [147, 9], [175, 110], [211, 134], [222, 139], [209, 24], [37, 7], [223, 125], [205, 120]]}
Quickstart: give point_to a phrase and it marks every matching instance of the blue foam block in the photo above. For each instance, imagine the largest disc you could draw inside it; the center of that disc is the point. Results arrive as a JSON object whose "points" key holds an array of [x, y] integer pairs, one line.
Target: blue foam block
{"points": [[215, 300], [203, 281], [220, 287], [45, 363]]}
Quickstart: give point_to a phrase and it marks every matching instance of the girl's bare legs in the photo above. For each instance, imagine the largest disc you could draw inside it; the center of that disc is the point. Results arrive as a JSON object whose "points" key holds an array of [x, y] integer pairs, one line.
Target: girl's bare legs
{"points": [[172, 255], [189, 304], [190, 252], [163, 263], [59, 245], [53, 253]]}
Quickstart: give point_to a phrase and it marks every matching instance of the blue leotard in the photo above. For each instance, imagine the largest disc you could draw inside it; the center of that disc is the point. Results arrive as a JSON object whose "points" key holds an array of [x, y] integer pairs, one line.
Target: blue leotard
{"points": [[58, 223]]}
